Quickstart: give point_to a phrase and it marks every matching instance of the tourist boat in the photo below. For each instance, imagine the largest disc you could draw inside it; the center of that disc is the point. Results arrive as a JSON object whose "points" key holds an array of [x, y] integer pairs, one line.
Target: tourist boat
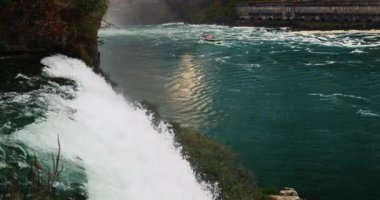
{"points": [[210, 39]]}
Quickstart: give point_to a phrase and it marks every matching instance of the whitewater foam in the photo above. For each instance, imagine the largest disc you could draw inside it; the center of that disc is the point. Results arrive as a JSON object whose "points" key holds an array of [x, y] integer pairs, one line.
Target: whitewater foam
{"points": [[339, 95], [252, 35], [357, 51], [367, 113], [125, 157], [329, 62]]}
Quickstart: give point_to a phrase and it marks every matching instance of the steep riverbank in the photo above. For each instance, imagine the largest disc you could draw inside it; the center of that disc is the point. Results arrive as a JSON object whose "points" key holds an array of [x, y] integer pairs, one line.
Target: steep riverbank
{"points": [[58, 26]]}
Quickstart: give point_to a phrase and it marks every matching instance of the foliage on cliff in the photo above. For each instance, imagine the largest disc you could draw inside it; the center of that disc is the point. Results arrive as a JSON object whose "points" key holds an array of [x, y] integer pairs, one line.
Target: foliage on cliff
{"points": [[56, 26], [213, 162], [205, 11]]}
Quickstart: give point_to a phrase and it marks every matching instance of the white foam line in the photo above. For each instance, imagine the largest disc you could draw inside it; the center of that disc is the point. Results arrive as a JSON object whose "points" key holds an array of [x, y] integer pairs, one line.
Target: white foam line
{"points": [[368, 113], [254, 35], [339, 95]]}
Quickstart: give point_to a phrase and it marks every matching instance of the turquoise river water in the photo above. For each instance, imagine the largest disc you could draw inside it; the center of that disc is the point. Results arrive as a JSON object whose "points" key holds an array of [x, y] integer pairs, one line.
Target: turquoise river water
{"points": [[301, 108]]}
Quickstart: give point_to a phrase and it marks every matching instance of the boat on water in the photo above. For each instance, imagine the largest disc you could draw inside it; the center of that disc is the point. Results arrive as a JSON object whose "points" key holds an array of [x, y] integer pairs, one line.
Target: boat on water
{"points": [[210, 39]]}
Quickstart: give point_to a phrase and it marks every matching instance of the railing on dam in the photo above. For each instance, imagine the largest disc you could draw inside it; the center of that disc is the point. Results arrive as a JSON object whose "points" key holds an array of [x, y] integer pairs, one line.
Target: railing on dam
{"points": [[322, 10], [313, 2]]}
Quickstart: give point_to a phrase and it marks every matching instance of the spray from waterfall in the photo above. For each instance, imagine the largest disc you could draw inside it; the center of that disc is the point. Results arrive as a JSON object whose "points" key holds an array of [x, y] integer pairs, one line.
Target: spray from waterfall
{"points": [[124, 156]]}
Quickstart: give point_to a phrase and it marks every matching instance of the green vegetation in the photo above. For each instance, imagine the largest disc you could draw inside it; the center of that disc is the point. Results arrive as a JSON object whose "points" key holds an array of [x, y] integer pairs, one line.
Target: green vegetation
{"points": [[55, 26], [214, 163], [207, 11], [26, 177], [219, 13]]}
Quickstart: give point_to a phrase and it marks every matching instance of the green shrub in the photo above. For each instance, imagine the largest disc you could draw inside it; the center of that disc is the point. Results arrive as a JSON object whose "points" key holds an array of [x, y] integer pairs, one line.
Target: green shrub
{"points": [[206, 11]]}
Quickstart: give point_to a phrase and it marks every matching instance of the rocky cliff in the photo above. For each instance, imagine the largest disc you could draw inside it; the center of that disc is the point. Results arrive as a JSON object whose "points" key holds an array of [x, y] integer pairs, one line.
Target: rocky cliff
{"points": [[54, 26]]}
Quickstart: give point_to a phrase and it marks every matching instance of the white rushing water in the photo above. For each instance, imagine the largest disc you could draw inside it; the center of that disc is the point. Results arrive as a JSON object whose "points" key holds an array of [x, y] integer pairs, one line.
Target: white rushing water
{"points": [[251, 35], [125, 157]]}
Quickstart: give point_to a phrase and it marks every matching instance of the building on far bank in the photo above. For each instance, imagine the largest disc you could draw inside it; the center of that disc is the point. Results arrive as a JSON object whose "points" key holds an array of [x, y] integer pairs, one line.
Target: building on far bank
{"points": [[288, 11]]}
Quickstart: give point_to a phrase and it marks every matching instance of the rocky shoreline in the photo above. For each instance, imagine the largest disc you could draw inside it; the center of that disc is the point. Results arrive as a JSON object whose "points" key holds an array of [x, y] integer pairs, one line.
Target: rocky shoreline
{"points": [[309, 26]]}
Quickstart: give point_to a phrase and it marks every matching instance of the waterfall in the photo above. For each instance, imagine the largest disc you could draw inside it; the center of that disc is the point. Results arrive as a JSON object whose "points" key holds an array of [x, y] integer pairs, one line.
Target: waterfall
{"points": [[124, 155]]}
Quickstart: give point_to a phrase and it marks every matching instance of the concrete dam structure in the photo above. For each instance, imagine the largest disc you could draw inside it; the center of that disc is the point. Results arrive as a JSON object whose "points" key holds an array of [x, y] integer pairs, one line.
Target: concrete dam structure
{"points": [[359, 12]]}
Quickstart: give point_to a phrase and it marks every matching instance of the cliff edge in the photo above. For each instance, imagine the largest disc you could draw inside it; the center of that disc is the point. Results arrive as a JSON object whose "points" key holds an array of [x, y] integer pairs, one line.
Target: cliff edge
{"points": [[56, 26]]}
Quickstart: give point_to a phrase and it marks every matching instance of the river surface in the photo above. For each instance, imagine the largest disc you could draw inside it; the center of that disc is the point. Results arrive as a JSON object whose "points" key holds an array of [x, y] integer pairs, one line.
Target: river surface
{"points": [[302, 109]]}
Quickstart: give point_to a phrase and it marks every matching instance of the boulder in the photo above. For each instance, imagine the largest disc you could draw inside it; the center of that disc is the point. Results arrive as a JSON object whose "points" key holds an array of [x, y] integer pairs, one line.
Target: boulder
{"points": [[287, 194]]}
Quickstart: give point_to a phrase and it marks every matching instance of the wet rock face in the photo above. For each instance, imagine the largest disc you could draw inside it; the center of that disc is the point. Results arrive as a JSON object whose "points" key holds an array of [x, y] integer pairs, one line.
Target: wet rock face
{"points": [[287, 194]]}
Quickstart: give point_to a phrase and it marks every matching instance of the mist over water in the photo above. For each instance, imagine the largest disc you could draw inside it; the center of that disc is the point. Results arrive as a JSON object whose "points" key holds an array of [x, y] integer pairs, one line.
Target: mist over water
{"points": [[142, 12], [131, 12], [124, 156]]}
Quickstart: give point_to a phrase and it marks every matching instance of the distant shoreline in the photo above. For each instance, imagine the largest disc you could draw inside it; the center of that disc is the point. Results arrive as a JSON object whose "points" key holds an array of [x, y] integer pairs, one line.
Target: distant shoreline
{"points": [[263, 25], [306, 32], [310, 26]]}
